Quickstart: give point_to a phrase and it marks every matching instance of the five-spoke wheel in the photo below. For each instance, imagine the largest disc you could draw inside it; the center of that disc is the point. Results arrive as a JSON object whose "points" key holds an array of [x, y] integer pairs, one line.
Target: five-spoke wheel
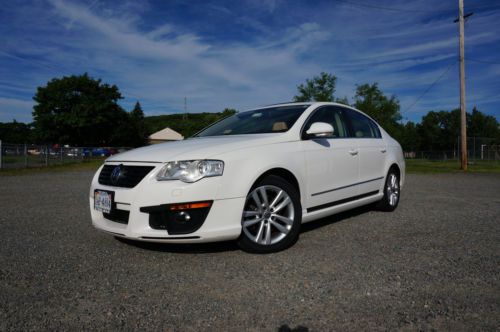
{"points": [[391, 192], [271, 216], [393, 189]]}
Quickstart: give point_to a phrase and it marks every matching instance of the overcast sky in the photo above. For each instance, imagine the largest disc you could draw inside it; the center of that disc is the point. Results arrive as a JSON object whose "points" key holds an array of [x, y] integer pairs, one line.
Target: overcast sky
{"points": [[247, 53]]}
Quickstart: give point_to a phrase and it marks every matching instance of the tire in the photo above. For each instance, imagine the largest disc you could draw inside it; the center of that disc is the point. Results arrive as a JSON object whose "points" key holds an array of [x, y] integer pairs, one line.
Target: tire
{"points": [[270, 222], [392, 192]]}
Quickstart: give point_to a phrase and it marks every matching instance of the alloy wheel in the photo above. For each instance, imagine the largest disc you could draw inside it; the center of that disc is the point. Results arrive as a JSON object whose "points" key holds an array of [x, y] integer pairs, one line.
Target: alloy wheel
{"points": [[268, 215], [393, 189]]}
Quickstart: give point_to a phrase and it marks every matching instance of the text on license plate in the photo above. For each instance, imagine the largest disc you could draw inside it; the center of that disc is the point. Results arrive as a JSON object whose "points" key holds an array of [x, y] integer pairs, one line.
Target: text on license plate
{"points": [[103, 201]]}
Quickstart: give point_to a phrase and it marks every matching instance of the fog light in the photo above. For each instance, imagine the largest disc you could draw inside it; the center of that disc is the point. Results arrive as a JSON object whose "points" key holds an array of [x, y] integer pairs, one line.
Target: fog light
{"points": [[178, 218], [182, 216]]}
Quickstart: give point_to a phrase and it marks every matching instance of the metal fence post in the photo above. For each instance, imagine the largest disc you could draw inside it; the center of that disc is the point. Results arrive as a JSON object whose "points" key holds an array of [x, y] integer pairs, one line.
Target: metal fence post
{"points": [[25, 155], [61, 155], [46, 155], [1, 154]]}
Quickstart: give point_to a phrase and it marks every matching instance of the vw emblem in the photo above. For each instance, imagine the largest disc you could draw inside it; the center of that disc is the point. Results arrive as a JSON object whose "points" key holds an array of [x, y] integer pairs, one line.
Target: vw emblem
{"points": [[116, 174]]}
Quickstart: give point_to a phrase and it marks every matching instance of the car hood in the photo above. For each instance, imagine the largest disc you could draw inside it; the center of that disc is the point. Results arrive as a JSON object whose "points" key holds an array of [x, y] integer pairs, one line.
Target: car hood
{"points": [[196, 148]]}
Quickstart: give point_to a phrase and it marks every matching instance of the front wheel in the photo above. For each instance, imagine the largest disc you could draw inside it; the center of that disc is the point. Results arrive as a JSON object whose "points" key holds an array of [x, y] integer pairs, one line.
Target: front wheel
{"points": [[392, 192], [271, 216]]}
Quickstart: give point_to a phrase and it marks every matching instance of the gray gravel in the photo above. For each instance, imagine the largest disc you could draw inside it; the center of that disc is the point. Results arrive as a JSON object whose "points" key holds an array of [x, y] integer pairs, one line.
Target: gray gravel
{"points": [[432, 264]]}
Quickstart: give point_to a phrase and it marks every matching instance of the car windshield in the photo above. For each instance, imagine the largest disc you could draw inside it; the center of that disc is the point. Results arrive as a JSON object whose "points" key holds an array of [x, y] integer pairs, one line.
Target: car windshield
{"points": [[267, 120]]}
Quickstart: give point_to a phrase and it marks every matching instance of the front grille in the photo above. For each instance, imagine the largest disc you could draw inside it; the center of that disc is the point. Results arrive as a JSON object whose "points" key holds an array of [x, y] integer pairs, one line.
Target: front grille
{"points": [[130, 175], [119, 216]]}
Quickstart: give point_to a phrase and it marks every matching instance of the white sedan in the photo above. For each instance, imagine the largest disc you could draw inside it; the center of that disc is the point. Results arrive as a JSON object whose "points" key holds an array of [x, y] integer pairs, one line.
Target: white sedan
{"points": [[255, 176]]}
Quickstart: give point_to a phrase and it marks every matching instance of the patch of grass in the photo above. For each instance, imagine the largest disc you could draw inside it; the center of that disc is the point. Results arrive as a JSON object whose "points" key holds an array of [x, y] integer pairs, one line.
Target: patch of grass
{"points": [[452, 166], [86, 165]]}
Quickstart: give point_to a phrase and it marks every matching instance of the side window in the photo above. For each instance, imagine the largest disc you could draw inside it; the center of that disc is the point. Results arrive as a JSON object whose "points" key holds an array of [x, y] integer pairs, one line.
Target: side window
{"points": [[362, 127], [330, 115], [376, 129]]}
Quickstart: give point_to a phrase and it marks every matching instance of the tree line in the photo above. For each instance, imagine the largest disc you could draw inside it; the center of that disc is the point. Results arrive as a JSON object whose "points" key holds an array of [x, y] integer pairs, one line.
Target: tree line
{"points": [[437, 131], [82, 111]]}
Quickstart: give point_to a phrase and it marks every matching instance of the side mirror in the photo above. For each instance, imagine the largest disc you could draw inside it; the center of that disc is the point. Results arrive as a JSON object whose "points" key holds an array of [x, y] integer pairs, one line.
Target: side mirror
{"points": [[320, 129]]}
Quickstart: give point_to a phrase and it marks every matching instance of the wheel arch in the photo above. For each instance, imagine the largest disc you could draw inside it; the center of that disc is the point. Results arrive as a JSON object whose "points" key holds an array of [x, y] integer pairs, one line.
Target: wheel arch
{"points": [[282, 173], [394, 166]]}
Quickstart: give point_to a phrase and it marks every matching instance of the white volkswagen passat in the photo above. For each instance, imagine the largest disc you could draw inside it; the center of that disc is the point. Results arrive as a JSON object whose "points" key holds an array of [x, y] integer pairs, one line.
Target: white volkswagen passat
{"points": [[254, 176]]}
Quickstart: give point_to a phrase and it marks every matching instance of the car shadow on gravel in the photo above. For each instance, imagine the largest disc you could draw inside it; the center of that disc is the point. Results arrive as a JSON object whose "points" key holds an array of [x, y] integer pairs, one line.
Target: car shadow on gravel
{"points": [[313, 225], [225, 246], [184, 248]]}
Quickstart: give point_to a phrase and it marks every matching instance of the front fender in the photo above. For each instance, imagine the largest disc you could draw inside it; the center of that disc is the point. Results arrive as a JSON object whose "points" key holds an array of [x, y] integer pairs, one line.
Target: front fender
{"points": [[243, 168]]}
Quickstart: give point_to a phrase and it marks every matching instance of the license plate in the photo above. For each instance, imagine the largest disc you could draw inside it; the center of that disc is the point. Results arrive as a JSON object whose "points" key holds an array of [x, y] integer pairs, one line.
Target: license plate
{"points": [[103, 201]]}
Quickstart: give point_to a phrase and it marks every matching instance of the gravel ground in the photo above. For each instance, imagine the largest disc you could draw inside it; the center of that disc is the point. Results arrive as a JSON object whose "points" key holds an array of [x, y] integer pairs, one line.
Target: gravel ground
{"points": [[434, 263]]}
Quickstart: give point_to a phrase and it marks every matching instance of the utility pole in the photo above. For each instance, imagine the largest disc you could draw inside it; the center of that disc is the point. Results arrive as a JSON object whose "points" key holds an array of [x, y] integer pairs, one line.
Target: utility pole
{"points": [[463, 114]]}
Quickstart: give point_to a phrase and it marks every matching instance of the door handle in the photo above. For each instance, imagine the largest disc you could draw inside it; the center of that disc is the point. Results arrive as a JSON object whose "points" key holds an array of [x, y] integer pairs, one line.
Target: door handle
{"points": [[383, 150], [353, 152]]}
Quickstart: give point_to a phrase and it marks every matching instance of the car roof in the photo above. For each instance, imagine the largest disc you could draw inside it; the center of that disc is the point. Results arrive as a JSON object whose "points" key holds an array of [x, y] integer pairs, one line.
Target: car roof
{"points": [[307, 103], [311, 103]]}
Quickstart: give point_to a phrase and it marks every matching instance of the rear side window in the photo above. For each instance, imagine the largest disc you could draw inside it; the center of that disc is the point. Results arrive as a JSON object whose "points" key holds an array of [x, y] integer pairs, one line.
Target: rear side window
{"points": [[332, 116], [376, 129], [362, 126]]}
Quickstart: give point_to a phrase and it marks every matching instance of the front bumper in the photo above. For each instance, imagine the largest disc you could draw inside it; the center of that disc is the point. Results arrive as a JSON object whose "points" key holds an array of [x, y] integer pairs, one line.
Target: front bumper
{"points": [[223, 221]]}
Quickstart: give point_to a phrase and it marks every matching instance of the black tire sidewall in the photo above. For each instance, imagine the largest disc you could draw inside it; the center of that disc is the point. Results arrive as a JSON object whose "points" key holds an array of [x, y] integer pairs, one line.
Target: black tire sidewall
{"points": [[249, 246]]}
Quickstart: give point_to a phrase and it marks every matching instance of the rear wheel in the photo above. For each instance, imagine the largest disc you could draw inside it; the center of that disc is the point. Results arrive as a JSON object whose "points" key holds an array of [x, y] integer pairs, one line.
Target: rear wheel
{"points": [[392, 192], [271, 216]]}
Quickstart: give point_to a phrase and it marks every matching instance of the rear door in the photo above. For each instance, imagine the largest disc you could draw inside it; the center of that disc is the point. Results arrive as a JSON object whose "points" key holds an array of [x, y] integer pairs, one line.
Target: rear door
{"points": [[331, 162], [372, 151]]}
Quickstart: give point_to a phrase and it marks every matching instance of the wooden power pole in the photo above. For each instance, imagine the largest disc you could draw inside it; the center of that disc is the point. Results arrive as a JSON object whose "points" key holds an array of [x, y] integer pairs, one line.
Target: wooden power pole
{"points": [[463, 114]]}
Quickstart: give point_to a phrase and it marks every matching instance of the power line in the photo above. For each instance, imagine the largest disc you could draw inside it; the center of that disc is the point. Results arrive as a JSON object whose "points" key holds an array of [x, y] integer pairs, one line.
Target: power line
{"points": [[484, 7], [483, 61], [430, 86], [369, 5]]}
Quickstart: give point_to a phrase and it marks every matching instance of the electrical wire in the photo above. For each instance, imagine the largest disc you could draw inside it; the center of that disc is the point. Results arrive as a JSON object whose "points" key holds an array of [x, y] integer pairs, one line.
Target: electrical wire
{"points": [[368, 5], [483, 61], [490, 6], [430, 86]]}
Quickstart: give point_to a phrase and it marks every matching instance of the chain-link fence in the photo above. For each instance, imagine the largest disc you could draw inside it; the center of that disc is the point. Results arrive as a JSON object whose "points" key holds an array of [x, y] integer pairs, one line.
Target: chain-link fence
{"points": [[486, 153], [478, 149], [36, 155]]}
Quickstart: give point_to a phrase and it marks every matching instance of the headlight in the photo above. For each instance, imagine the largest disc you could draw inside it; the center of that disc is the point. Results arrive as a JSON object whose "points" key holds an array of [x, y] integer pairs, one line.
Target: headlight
{"points": [[190, 170]]}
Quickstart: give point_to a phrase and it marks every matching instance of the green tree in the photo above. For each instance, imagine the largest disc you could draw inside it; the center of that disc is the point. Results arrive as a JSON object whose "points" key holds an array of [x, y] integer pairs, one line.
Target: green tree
{"points": [[385, 110], [15, 132], [439, 130], [78, 110], [138, 125], [344, 100], [186, 127], [228, 112], [429, 130], [409, 137], [319, 88], [482, 125]]}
